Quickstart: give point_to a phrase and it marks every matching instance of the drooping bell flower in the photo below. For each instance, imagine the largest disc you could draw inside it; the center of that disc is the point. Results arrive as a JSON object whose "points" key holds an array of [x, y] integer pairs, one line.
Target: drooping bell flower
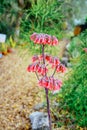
{"points": [[42, 69], [35, 58], [58, 84], [47, 57], [33, 67], [33, 36], [54, 41], [54, 61], [43, 82], [37, 67], [61, 68]]}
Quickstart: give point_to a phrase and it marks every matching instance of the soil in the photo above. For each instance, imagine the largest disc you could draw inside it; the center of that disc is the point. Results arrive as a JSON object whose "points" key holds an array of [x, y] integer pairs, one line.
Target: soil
{"points": [[18, 92]]}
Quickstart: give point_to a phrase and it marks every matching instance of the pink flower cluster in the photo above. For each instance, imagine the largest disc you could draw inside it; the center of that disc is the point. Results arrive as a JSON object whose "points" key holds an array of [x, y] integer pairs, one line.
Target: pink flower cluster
{"points": [[39, 58], [39, 64], [44, 39], [54, 61], [50, 83], [35, 58], [37, 67]]}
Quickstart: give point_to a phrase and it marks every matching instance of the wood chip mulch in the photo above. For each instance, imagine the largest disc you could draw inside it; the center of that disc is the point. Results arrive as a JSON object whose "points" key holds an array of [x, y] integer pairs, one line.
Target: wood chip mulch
{"points": [[18, 92]]}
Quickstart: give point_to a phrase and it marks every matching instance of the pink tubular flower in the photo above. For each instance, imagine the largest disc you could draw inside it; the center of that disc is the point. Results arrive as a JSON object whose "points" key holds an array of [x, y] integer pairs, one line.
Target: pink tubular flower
{"points": [[33, 36], [42, 69], [54, 41], [40, 57], [35, 58], [60, 68], [33, 67], [85, 49], [47, 57], [54, 61], [44, 39], [50, 83], [43, 82], [58, 84]]}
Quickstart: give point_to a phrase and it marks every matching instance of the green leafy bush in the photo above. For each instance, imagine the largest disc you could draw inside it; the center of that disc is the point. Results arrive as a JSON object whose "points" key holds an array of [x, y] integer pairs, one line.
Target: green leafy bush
{"points": [[74, 90], [43, 16], [77, 44]]}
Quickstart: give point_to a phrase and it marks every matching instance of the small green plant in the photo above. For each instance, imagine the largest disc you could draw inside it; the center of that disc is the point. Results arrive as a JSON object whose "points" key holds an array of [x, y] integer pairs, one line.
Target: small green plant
{"points": [[12, 42], [3, 46]]}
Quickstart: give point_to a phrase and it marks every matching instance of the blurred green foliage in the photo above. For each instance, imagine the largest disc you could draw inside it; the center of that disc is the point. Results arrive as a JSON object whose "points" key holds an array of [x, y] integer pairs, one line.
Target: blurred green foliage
{"points": [[22, 18], [74, 90], [43, 17], [8, 15], [77, 44], [36, 15]]}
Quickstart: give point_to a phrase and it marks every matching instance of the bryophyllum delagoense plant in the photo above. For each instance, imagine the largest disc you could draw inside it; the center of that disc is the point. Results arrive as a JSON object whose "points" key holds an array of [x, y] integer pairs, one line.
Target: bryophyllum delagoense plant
{"points": [[40, 66]]}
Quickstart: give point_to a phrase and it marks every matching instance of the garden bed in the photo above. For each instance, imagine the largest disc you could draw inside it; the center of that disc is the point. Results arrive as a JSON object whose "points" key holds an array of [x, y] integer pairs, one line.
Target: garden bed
{"points": [[18, 92]]}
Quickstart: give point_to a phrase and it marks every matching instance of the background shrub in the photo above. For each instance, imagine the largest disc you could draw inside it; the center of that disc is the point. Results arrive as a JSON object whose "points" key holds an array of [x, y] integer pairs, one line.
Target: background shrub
{"points": [[44, 16], [74, 90]]}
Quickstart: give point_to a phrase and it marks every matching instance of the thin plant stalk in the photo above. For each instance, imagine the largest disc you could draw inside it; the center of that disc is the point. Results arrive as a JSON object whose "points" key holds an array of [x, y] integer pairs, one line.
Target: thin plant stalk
{"points": [[48, 108], [37, 75], [46, 91], [54, 72]]}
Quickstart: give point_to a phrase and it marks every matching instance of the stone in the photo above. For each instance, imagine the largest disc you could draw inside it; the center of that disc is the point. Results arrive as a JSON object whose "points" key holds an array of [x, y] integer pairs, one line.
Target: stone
{"points": [[39, 121], [39, 106], [69, 65], [66, 54], [65, 60]]}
